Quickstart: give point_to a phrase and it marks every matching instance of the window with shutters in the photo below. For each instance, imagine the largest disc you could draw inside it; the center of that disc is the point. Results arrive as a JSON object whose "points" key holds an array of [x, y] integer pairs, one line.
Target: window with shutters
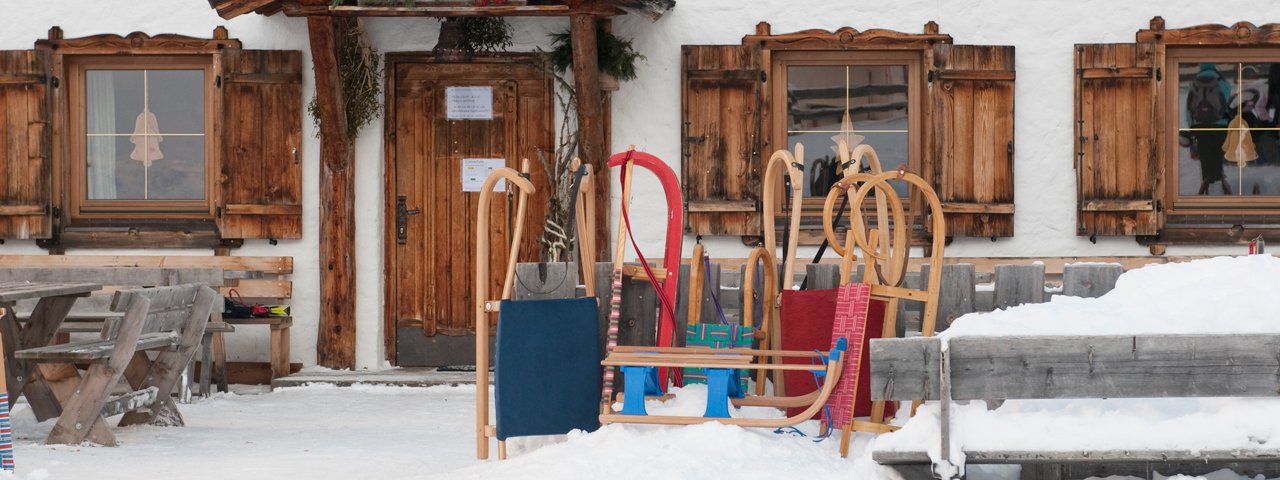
{"points": [[150, 141], [1178, 140], [941, 110]]}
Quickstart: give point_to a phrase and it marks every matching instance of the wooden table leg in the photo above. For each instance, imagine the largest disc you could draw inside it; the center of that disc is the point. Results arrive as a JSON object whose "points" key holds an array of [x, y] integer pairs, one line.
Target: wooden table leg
{"points": [[22, 375]]}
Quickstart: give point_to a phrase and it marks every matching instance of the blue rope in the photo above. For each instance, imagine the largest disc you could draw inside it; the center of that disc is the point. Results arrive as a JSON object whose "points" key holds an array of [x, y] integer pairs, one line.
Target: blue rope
{"points": [[826, 410]]}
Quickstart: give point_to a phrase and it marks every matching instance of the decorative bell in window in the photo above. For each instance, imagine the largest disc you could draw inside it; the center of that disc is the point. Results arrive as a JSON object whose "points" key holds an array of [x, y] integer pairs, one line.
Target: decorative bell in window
{"points": [[146, 139]]}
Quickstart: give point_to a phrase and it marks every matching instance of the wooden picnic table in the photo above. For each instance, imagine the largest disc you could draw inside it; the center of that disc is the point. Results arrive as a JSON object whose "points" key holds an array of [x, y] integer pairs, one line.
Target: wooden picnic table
{"points": [[22, 376]]}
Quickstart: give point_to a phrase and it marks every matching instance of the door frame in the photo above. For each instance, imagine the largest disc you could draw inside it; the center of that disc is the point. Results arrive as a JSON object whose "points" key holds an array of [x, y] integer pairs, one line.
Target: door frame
{"points": [[390, 63]]}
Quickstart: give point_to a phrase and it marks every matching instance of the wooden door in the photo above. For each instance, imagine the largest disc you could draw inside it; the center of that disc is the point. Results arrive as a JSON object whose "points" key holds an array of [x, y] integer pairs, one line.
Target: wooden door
{"points": [[431, 270]]}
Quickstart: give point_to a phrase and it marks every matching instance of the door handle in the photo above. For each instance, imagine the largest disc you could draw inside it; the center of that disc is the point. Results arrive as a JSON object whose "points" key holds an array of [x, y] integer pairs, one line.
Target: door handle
{"points": [[402, 219]]}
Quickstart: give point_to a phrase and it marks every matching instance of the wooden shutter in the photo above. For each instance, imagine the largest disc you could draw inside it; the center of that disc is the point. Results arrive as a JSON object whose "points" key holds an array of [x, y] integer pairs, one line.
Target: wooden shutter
{"points": [[1115, 150], [25, 142], [720, 168], [261, 194], [972, 98]]}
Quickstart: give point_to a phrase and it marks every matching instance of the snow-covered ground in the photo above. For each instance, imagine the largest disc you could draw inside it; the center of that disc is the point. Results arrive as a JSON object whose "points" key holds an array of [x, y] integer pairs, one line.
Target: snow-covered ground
{"points": [[373, 432]]}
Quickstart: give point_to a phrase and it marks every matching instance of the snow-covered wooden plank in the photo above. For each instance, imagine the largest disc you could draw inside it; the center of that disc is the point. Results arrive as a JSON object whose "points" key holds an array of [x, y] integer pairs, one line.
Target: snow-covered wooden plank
{"points": [[885, 457], [1112, 366]]}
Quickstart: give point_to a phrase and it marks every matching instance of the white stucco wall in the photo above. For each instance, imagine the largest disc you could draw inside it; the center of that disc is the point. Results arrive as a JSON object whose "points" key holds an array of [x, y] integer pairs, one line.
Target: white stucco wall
{"points": [[646, 111]]}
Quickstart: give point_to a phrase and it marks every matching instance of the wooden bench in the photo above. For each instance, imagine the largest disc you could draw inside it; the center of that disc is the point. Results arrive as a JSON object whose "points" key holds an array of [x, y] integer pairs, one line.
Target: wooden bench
{"points": [[165, 320], [995, 368], [258, 279]]}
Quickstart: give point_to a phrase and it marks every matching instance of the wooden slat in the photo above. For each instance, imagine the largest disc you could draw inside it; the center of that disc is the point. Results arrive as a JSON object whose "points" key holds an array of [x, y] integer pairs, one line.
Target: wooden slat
{"points": [[717, 206], [1094, 73], [229, 9], [92, 351], [1114, 366], [997, 208], [1088, 456], [275, 265], [261, 289], [987, 75], [22, 209], [12, 291], [132, 276], [1090, 280], [1118, 205], [1018, 284], [128, 402], [259, 321], [262, 210]]}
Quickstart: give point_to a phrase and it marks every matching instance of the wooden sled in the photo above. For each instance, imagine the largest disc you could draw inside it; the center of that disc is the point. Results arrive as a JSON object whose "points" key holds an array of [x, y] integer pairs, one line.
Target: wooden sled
{"points": [[886, 251], [486, 305], [720, 363]]}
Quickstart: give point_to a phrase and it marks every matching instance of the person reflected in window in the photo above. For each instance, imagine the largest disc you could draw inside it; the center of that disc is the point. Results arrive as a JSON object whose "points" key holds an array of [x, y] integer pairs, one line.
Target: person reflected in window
{"points": [[1208, 115]]}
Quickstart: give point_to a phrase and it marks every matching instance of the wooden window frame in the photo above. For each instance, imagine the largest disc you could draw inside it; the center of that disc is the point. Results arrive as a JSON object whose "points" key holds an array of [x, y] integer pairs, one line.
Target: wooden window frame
{"points": [[83, 208], [1191, 205], [781, 60]]}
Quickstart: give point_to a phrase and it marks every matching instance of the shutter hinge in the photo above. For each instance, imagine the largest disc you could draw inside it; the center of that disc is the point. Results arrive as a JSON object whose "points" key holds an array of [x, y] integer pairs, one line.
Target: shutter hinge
{"points": [[930, 75], [217, 81], [1158, 75], [1009, 151], [218, 212], [53, 211], [55, 81], [764, 76]]}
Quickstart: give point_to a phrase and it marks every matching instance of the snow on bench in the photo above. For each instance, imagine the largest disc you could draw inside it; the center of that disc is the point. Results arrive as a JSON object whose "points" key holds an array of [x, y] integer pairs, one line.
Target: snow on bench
{"points": [[1156, 348]]}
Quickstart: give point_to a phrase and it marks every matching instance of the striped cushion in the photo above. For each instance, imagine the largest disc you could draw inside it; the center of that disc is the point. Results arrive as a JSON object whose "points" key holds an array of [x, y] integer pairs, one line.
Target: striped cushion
{"points": [[717, 336]]}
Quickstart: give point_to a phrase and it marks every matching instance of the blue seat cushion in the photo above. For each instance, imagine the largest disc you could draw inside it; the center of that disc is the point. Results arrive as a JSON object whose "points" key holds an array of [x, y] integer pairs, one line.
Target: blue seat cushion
{"points": [[547, 367]]}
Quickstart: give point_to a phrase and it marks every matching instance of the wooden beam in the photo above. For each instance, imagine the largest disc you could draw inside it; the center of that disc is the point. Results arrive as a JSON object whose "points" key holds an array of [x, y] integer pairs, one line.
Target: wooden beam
{"points": [[336, 341], [1063, 366], [591, 128], [229, 9]]}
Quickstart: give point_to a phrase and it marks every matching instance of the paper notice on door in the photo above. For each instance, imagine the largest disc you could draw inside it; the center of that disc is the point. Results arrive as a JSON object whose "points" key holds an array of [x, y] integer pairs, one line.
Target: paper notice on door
{"points": [[469, 103], [476, 170]]}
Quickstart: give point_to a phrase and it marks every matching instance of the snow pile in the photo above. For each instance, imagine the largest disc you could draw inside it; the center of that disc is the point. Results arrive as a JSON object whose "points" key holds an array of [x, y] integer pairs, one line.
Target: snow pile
{"points": [[1218, 295], [1215, 295]]}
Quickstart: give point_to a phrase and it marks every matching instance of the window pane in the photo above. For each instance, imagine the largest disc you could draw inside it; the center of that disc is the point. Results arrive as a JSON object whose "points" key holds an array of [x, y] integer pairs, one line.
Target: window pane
{"points": [[109, 97], [878, 97], [180, 175], [1227, 129], [818, 98], [145, 134], [177, 99]]}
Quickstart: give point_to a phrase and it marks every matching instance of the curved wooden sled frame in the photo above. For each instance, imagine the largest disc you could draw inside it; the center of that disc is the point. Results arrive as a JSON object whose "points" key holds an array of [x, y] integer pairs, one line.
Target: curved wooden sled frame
{"points": [[886, 253], [485, 305]]}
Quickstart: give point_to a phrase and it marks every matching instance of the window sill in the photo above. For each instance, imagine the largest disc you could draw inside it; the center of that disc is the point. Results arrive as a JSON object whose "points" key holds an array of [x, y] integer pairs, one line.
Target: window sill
{"points": [[140, 234], [1215, 230]]}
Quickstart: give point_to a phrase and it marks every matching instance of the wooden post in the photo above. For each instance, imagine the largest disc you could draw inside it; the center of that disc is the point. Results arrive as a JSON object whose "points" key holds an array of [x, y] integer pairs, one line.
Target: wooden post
{"points": [[591, 126], [336, 341]]}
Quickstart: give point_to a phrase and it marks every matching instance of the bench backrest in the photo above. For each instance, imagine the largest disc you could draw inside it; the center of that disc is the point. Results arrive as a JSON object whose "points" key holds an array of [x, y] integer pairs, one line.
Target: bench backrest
{"points": [[178, 309], [1101, 366], [260, 279]]}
